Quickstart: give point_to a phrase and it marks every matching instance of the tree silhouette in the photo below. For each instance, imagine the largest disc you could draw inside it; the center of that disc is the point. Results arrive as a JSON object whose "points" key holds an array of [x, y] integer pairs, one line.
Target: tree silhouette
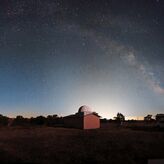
{"points": [[120, 117], [20, 120], [148, 117], [3, 120], [40, 120], [51, 120]]}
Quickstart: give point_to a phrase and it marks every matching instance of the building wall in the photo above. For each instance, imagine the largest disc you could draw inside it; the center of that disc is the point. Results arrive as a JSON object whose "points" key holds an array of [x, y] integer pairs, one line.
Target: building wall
{"points": [[73, 122], [91, 122]]}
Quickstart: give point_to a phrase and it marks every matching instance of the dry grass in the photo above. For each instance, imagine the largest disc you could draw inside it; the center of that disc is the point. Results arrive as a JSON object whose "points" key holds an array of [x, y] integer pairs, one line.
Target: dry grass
{"points": [[59, 145]]}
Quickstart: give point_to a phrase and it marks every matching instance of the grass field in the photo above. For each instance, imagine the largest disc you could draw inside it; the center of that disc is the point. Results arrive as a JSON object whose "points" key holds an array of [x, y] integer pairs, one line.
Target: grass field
{"points": [[60, 145]]}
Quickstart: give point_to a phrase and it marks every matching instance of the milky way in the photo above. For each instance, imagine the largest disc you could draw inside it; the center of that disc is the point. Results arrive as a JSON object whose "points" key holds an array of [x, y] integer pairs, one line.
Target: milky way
{"points": [[58, 55]]}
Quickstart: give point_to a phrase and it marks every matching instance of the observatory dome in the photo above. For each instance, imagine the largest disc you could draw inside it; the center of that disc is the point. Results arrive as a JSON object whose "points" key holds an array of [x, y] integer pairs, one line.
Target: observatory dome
{"points": [[85, 109]]}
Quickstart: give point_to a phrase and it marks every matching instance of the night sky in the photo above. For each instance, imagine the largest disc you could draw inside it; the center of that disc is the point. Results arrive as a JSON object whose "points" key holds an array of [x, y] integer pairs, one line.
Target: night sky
{"points": [[56, 55]]}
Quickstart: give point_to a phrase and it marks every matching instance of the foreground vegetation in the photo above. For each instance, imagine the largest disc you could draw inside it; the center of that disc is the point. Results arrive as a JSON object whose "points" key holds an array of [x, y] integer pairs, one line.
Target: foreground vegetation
{"points": [[115, 145]]}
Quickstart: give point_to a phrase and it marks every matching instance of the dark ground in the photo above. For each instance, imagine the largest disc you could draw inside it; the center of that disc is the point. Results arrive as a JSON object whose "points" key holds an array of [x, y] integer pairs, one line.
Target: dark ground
{"points": [[112, 145]]}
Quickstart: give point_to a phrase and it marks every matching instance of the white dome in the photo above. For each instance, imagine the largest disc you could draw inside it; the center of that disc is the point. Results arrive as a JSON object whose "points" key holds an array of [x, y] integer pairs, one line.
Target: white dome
{"points": [[85, 109]]}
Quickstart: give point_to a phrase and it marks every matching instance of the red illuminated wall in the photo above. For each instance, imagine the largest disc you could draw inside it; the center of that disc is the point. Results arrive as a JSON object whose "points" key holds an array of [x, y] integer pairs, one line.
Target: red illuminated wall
{"points": [[91, 122]]}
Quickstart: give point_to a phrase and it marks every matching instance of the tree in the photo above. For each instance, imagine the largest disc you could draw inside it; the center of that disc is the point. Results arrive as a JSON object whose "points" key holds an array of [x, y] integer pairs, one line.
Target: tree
{"points": [[120, 117], [20, 120], [51, 120], [3, 120], [39, 120], [148, 117]]}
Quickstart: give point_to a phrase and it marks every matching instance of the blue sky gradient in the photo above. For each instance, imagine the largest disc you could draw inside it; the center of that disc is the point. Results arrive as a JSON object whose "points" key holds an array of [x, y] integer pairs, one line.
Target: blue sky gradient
{"points": [[58, 55]]}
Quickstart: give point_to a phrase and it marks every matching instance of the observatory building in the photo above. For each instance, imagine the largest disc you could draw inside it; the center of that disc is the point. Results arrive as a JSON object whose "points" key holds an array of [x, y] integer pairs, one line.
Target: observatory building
{"points": [[85, 118]]}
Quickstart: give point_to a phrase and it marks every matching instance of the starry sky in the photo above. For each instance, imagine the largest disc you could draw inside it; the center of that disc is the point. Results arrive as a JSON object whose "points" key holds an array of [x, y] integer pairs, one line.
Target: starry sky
{"points": [[57, 55]]}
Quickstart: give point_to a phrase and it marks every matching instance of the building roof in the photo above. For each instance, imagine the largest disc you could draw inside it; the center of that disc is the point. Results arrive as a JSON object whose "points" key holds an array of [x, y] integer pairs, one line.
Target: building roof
{"points": [[162, 115], [82, 112], [85, 110]]}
